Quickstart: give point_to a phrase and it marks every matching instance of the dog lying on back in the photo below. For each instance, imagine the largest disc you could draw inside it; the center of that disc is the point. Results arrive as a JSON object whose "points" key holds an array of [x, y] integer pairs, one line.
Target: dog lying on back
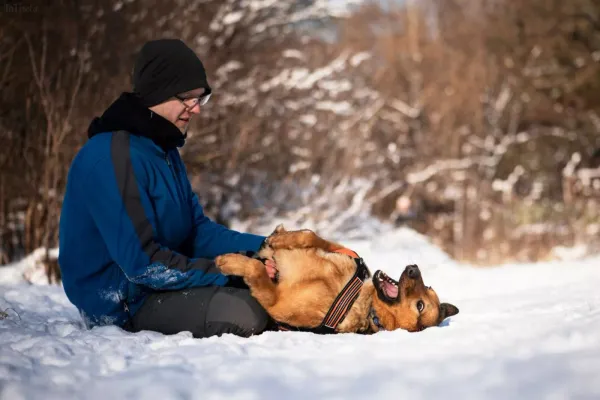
{"points": [[312, 272]]}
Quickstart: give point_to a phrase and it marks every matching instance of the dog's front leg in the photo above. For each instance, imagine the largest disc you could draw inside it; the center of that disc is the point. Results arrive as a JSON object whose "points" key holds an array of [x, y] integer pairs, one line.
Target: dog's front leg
{"points": [[254, 273], [233, 264]]}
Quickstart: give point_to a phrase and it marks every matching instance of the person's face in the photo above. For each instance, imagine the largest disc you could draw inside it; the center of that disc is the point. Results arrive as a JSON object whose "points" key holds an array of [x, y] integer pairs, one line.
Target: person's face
{"points": [[180, 109]]}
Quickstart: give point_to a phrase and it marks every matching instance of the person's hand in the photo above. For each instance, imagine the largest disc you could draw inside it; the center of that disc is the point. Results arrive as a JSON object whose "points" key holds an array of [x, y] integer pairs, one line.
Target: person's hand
{"points": [[271, 268]]}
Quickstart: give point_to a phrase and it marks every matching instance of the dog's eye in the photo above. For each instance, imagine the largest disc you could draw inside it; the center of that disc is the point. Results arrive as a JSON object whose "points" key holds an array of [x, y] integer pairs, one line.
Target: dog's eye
{"points": [[420, 305]]}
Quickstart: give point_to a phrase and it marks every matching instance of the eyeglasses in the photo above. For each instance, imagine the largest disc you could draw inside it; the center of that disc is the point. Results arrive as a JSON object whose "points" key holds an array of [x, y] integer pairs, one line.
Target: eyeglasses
{"points": [[191, 102]]}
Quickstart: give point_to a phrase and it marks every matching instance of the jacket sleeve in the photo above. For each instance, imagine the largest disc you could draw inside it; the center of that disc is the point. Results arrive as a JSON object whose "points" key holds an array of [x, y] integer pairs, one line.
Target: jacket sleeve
{"points": [[115, 198], [210, 239]]}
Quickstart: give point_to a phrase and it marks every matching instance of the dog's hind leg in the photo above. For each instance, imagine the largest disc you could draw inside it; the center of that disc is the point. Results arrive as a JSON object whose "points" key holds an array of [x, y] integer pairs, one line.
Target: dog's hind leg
{"points": [[301, 240], [261, 286], [255, 275]]}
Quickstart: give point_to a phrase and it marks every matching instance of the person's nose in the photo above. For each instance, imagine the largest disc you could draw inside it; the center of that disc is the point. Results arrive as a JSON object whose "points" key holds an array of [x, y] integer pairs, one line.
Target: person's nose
{"points": [[195, 109]]}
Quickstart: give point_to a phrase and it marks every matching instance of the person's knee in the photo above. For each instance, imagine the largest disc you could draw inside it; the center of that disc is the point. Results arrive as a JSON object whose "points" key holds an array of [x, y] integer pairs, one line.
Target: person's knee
{"points": [[255, 321], [237, 312]]}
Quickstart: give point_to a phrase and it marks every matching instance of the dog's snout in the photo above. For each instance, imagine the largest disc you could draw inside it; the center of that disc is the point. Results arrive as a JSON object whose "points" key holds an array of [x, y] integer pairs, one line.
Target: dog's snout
{"points": [[413, 271]]}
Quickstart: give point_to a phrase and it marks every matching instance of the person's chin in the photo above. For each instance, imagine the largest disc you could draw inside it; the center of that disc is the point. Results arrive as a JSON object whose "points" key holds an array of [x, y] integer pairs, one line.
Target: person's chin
{"points": [[182, 124]]}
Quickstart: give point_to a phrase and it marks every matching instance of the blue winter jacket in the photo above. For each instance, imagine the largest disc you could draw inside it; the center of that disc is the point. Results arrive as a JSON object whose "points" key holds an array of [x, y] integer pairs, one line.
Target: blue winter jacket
{"points": [[131, 225]]}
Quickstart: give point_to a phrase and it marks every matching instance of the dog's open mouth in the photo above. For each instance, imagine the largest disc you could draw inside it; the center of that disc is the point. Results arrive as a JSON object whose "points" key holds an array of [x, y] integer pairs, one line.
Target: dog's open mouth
{"points": [[387, 288]]}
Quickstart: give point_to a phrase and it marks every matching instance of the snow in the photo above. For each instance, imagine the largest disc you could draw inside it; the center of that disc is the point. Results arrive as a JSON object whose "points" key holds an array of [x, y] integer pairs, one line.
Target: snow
{"points": [[299, 166], [339, 107], [228, 67], [29, 269], [308, 119], [340, 8], [300, 151], [287, 77], [523, 332], [293, 53], [358, 58], [303, 78], [233, 17], [336, 87], [257, 5]]}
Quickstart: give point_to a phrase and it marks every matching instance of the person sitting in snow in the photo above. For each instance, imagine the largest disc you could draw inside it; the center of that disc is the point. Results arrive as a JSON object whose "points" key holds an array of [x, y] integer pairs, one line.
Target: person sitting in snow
{"points": [[135, 248]]}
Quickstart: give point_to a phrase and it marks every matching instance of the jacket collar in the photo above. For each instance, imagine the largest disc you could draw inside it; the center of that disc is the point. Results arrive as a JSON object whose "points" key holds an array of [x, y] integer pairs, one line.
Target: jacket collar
{"points": [[128, 113]]}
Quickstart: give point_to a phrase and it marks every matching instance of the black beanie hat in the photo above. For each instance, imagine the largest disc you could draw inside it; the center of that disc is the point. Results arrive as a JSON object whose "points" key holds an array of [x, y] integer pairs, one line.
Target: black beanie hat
{"points": [[164, 68]]}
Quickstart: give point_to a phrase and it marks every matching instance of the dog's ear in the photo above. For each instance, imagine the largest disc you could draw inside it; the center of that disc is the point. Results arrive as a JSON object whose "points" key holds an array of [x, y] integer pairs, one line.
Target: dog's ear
{"points": [[447, 310], [279, 229]]}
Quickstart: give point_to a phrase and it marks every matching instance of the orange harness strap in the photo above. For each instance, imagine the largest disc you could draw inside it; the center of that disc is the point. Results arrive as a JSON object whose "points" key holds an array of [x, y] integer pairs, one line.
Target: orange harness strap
{"points": [[347, 252]]}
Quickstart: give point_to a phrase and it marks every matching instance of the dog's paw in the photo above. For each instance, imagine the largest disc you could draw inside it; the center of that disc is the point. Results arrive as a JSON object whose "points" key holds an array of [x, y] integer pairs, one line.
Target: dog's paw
{"points": [[279, 229], [293, 240], [232, 264]]}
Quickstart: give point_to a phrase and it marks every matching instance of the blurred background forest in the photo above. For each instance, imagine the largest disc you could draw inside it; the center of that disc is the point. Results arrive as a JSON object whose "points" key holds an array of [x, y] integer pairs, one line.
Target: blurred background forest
{"points": [[474, 122]]}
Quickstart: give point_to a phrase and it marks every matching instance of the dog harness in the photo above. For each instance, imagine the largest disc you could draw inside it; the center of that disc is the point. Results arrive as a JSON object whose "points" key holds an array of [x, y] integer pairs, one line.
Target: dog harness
{"points": [[343, 302]]}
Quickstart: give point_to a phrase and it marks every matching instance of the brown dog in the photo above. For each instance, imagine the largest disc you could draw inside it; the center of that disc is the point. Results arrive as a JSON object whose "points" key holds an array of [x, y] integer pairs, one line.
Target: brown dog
{"points": [[313, 271]]}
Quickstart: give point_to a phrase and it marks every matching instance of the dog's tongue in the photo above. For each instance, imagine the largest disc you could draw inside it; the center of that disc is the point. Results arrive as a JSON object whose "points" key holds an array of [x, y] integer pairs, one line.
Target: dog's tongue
{"points": [[390, 289]]}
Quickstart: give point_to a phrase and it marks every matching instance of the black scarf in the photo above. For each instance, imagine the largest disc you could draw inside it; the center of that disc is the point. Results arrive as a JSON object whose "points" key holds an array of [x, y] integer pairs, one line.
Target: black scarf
{"points": [[128, 113]]}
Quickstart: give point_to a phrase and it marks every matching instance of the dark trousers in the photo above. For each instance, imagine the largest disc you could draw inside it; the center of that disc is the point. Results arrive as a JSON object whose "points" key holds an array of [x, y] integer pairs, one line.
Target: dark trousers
{"points": [[206, 311]]}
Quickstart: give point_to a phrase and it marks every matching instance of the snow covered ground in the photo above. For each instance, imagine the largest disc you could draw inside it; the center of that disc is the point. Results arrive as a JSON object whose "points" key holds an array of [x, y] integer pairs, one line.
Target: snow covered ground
{"points": [[523, 332]]}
